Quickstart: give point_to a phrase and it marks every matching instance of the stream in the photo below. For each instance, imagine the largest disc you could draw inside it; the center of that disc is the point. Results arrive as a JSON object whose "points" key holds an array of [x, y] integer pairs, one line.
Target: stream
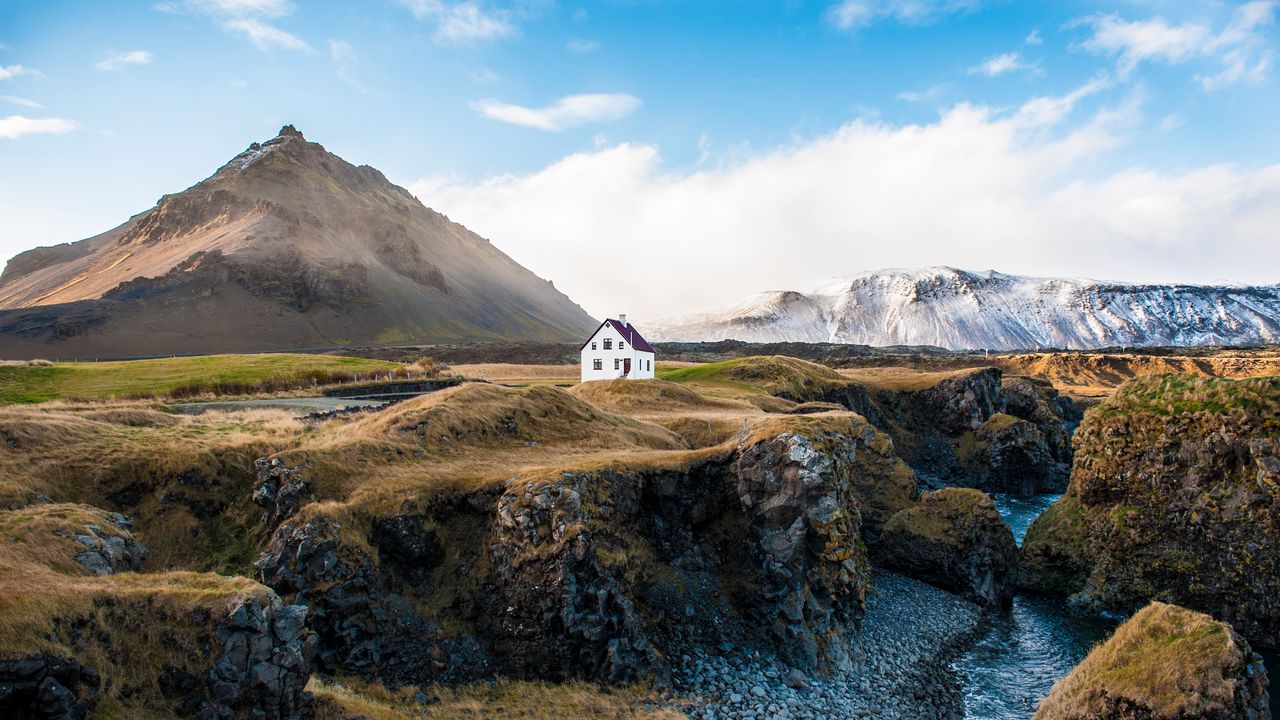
{"points": [[1037, 643], [1010, 669]]}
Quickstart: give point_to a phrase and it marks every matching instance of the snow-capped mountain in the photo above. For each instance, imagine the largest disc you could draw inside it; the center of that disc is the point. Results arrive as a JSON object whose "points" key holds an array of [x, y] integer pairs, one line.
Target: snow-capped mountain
{"points": [[960, 310]]}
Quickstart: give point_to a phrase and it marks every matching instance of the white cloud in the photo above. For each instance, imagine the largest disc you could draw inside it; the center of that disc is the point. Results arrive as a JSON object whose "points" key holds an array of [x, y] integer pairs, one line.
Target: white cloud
{"points": [[12, 71], [249, 18], [132, 57], [567, 112], [15, 126], [933, 92], [1242, 47], [462, 23], [1033, 37], [266, 36], [1000, 64], [976, 188], [21, 101], [855, 14], [582, 46], [344, 56]]}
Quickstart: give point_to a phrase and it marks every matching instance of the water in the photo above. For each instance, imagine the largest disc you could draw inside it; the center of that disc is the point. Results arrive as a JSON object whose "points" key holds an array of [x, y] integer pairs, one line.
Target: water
{"points": [[1031, 648]]}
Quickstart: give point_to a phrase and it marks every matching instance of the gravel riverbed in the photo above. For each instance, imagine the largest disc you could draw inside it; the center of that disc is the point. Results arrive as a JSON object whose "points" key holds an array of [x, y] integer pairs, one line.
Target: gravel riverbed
{"points": [[909, 636]]}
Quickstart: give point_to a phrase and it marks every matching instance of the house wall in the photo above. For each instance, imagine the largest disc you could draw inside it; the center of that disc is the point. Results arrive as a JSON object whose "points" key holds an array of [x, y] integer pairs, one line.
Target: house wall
{"points": [[641, 362]]}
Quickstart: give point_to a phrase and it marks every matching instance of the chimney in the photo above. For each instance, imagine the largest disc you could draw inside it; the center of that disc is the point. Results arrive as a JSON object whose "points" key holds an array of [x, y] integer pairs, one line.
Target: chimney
{"points": [[622, 318]]}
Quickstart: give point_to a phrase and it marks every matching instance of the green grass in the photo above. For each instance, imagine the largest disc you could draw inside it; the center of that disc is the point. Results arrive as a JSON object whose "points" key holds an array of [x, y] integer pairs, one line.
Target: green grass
{"points": [[1179, 394], [179, 377]]}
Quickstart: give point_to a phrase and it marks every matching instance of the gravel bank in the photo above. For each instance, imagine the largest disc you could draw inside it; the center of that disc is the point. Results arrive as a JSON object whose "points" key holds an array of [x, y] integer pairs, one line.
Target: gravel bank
{"points": [[909, 636]]}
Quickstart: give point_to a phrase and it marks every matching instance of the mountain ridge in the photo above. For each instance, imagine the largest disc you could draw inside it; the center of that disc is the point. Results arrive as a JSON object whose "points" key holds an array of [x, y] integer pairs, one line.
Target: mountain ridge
{"points": [[964, 310], [286, 245]]}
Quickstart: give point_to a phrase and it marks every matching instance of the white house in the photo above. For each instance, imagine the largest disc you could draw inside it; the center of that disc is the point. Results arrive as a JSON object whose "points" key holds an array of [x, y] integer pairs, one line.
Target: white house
{"points": [[616, 350]]}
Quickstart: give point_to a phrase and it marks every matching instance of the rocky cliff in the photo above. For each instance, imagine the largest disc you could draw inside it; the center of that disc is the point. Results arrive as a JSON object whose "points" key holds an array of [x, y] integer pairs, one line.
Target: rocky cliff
{"points": [[1164, 663], [1175, 494], [594, 572]]}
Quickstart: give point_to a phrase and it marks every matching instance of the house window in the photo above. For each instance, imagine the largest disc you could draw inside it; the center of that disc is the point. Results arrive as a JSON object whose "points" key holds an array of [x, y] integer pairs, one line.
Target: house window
{"points": [[622, 345], [593, 344], [598, 364], [608, 343], [648, 364], [616, 365]]}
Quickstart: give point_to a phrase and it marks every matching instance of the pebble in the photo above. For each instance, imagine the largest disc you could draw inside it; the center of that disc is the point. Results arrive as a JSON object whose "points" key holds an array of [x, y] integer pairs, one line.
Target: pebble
{"points": [[908, 637]]}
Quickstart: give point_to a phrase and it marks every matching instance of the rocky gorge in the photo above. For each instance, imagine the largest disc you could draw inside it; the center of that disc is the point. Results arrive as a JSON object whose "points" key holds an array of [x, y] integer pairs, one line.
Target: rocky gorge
{"points": [[738, 556]]}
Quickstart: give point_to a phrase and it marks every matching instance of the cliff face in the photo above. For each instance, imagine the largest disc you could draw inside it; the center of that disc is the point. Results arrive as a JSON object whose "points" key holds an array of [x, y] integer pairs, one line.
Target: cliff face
{"points": [[588, 573], [1175, 494], [1164, 663]]}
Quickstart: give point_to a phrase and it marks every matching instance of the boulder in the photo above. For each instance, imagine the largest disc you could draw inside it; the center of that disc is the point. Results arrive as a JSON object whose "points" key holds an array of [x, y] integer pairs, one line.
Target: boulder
{"points": [[1164, 663], [954, 539]]}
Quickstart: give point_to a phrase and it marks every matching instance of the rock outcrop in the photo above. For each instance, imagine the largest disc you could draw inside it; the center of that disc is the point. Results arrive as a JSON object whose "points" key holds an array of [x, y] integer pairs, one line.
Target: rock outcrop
{"points": [[108, 551], [954, 539], [588, 573], [46, 687], [1175, 495], [1164, 663]]}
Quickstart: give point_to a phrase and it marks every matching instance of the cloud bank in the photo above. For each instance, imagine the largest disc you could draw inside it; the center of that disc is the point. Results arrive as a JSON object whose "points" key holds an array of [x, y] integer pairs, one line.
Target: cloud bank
{"points": [[617, 230]]}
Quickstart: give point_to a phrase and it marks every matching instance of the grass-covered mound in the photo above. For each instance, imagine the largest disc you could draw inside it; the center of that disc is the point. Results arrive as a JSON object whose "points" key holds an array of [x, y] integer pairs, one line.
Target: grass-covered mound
{"points": [[182, 376], [122, 644], [186, 480], [645, 396], [1164, 663], [771, 375], [1175, 495], [953, 538]]}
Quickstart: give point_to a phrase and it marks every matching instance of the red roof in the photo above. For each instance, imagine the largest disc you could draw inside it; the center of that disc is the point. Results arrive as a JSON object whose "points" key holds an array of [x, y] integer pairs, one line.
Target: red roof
{"points": [[628, 333]]}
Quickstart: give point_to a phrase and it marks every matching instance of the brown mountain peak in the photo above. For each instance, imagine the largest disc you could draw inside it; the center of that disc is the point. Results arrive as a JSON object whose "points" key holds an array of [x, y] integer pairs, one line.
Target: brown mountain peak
{"points": [[289, 131]]}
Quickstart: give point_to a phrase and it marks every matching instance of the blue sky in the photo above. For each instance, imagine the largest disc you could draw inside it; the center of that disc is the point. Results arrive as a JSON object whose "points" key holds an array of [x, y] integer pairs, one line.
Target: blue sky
{"points": [[758, 144]]}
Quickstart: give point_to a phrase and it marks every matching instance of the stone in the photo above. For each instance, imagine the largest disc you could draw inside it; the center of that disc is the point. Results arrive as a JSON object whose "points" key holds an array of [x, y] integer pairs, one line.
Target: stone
{"points": [[954, 539]]}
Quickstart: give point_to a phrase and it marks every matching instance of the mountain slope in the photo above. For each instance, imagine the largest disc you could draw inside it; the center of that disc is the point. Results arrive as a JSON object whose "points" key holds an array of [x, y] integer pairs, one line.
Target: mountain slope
{"points": [[965, 310], [285, 246]]}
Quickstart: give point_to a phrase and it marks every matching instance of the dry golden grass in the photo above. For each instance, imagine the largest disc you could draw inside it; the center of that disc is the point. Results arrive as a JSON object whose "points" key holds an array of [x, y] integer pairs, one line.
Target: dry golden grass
{"points": [[1097, 375], [648, 397], [348, 699], [900, 379], [511, 374], [1165, 658]]}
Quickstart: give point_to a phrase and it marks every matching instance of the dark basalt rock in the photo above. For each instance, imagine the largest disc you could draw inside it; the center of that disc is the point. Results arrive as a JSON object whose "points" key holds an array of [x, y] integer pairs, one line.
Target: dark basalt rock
{"points": [[362, 625], [1012, 455], [1170, 503], [264, 664], [279, 490], [111, 551], [46, 687], [586, 574], [954, 539], [803, 514]]}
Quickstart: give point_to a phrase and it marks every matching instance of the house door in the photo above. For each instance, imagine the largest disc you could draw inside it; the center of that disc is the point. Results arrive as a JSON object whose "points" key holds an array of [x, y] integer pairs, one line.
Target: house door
{"points": [[626, 368]]}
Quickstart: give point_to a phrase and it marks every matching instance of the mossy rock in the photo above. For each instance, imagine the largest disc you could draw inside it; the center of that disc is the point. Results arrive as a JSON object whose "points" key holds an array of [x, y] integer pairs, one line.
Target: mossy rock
{"points": [[1164, 663]]}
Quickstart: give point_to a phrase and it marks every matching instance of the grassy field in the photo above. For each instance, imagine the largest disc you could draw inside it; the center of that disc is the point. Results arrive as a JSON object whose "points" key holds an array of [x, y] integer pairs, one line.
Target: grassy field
{"points": [[180, 377]]}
